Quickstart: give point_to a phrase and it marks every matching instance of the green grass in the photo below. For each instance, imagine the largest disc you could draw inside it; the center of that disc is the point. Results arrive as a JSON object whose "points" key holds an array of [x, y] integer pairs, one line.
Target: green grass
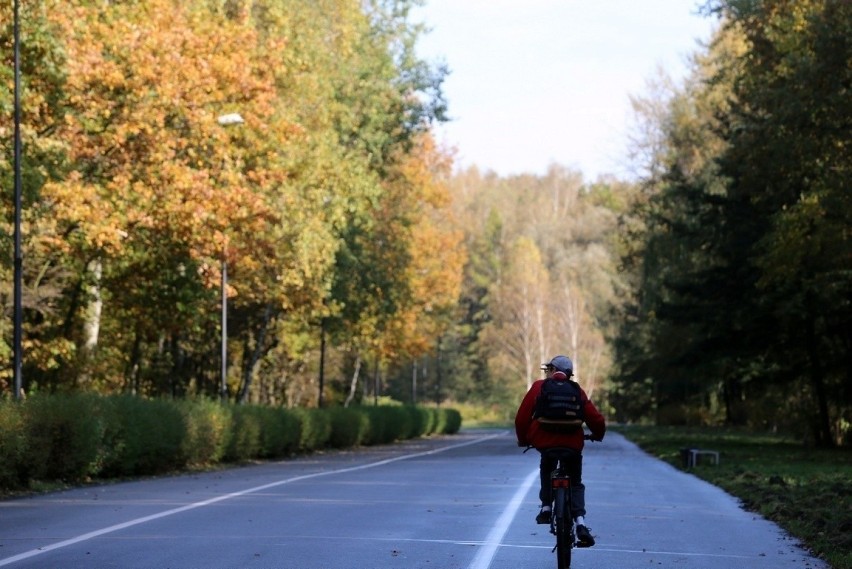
{"points": [[807, 491]]}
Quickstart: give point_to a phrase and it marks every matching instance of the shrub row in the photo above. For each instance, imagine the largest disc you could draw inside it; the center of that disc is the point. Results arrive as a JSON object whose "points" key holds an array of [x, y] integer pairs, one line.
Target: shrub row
{"points": [[76, 437]]}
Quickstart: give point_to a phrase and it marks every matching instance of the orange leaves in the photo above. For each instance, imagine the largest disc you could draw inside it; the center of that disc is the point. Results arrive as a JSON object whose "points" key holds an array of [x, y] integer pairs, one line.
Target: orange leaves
{"points": [[147, 184], [436, 238], [428, 167], [436, 255], [146, 82], [74, 199]]}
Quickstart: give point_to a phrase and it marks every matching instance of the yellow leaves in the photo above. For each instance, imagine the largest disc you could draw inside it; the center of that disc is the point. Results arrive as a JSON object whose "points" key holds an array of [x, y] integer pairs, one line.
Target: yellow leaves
{"points": [[151, 186], [145, 83], [437, 259], [82, 211], [435, 246], [52, 354]]}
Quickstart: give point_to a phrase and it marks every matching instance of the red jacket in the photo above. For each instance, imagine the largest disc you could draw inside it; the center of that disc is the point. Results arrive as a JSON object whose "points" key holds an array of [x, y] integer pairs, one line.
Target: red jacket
{"points": [[528, 431]]}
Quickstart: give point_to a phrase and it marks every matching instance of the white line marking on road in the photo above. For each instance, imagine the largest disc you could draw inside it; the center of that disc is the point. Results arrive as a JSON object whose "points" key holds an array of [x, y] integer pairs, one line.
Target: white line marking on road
{"points": [[675, 553], [137, 521], [476, 543], [495, 537]]}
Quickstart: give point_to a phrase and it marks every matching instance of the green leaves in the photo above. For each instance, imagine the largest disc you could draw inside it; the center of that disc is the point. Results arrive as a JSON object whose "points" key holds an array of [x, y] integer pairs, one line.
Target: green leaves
{"points": [[743, 250], [137, 195]]}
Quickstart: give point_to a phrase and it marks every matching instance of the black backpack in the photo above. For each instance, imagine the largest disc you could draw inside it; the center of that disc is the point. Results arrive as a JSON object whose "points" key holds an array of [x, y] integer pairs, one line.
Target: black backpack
{"points": [[559, 406]]}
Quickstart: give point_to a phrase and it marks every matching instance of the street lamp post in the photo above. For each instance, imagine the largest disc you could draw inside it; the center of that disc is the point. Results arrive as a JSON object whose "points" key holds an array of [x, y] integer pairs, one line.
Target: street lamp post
{"points": [[19, 262], [225, 120], [224, 388]]}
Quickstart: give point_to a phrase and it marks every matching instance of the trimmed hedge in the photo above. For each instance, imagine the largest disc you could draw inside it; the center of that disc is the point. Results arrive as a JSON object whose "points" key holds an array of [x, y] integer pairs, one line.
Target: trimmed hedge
{"points": [[142, 436], [63, 438], [13, 447], [76, 437], [349, 427]]}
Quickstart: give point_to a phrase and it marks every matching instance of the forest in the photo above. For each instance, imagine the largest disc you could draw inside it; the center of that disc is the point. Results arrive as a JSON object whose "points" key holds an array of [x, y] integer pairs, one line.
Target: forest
{"points": [[358, 264]]}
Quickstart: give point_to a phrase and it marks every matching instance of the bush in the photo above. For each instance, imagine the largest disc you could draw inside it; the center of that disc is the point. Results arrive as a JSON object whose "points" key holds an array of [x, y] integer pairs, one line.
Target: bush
{"points": [[483, 415], [316, 428], [144, 436], [244, 442], [402, 421], [280, 432], [440, 421], [64, 437], [377, 427], [423, 421], [451, 421], [13, 446], [76, 436], [209, 428], [349, 427]]}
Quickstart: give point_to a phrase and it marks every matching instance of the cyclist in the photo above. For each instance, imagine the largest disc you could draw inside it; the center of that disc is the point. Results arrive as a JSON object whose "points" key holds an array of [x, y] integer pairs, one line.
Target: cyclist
{"points": [[531, 432]]}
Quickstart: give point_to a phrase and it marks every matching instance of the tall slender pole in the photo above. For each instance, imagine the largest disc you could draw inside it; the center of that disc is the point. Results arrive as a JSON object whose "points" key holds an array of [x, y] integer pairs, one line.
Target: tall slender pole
{"points": [[414, 383], [376, 383], [19, 263], [224, 387], [225, 120], [438, 374], [321, 363]]}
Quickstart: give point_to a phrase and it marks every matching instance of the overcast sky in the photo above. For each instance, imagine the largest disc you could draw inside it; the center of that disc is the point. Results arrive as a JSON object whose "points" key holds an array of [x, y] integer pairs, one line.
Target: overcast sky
{"points": [[539, 81]]}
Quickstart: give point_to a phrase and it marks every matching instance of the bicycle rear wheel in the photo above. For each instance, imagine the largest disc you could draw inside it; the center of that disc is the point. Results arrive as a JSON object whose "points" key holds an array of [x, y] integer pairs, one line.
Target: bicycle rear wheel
{"points": [[564, 540]]}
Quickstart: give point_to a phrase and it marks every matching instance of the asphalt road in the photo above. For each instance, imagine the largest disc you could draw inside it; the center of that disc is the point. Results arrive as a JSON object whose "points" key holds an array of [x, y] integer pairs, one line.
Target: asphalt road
{"points": [[465, 501]]}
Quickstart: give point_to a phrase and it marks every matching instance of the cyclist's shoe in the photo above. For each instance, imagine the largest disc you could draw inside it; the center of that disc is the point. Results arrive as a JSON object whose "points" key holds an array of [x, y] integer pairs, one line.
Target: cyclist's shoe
{"points": [[584, 537], [543, 516]]}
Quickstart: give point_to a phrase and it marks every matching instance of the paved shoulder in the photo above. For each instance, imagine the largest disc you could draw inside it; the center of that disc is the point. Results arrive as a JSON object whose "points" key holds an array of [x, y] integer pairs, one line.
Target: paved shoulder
{"points": [[645, 512]]}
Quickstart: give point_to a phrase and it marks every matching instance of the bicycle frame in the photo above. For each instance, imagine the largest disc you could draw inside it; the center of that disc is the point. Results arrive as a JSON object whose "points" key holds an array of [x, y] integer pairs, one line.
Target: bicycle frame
{"points": [[561, 520]]}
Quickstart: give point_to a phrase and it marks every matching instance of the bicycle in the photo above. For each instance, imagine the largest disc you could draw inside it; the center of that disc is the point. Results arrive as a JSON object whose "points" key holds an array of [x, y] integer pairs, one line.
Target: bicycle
{"points": [[561, 520]]}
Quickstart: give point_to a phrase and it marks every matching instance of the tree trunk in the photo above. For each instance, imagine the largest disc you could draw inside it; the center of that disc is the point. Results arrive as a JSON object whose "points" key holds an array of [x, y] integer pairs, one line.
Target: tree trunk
{"points": [[92, 326], [732, 394], [376, 382], [414, 383], [131, 376], [256, 354], [321, 363], [823, 433], [92, 319], [177, 379], [354, 384]]}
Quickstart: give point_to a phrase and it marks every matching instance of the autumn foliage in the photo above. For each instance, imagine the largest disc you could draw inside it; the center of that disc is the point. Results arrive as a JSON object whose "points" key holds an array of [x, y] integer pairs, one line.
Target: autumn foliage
{"points": [[137, 197]]}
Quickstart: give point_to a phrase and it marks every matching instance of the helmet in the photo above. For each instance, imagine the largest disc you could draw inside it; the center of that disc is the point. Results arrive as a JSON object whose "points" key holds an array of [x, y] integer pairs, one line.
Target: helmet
{"points": [[563, 364]]}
